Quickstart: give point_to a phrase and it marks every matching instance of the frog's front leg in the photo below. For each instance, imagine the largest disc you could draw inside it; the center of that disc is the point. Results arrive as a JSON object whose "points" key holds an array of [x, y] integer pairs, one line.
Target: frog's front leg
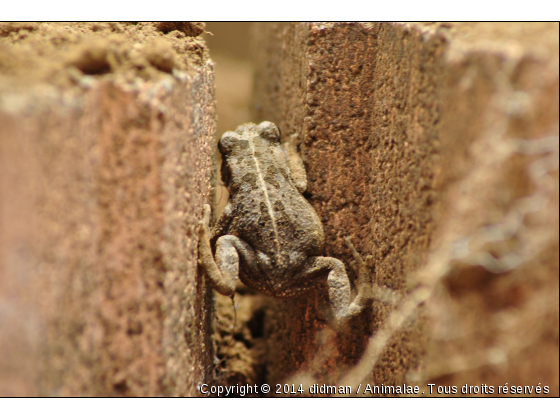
{"points": [[223, 270], [222, 224]]}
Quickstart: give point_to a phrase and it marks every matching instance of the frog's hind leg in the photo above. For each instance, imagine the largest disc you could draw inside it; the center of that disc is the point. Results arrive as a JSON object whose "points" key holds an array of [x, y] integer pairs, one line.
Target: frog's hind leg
{"points": [[223, 269], [337, 282]]}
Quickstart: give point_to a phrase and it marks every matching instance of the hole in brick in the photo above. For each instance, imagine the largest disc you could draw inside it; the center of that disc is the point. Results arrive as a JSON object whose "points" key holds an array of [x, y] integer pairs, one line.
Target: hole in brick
{"points": [[256, 324]]}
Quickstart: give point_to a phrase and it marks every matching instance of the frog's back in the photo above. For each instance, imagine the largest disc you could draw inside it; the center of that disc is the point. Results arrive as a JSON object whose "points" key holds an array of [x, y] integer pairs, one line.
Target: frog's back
{"points": [[270, 214], [269, 224]]}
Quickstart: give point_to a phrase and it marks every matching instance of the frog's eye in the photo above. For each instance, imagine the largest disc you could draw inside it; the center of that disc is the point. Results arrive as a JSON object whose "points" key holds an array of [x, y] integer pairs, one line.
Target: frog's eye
{"points": [[228, 140], [269, 131]]}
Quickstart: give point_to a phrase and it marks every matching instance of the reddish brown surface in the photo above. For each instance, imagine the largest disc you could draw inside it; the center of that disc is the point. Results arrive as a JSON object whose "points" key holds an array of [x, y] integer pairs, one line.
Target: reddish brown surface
{"points": [[353, 133], [408, 133], [497, 328], [101, 192]]}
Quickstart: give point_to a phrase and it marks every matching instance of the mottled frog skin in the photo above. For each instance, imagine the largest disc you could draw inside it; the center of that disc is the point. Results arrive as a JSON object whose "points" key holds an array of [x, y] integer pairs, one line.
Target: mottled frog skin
{"points": [[268, 235]]}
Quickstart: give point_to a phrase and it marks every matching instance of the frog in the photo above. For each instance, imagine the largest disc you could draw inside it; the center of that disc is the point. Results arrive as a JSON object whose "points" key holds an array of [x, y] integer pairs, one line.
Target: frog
{"points": [[268, 235]]}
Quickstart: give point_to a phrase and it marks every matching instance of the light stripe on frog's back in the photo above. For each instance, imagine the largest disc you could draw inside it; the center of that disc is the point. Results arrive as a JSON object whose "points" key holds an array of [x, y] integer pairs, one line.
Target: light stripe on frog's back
{"points": [[267, 202]]}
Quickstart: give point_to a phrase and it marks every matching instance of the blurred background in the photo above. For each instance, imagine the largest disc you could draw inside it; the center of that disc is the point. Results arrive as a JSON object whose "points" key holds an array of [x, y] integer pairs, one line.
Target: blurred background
{"points": [[230, 49]]}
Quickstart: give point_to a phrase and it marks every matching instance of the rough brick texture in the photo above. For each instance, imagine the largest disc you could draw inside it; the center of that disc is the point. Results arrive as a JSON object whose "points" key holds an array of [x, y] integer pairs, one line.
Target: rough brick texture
{"points": [[417, 138], [101, 192]]}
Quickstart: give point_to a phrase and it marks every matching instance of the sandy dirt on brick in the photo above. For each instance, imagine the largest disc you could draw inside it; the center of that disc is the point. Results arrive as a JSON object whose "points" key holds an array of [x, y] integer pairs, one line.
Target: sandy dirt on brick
{"points": [[66, 54]]}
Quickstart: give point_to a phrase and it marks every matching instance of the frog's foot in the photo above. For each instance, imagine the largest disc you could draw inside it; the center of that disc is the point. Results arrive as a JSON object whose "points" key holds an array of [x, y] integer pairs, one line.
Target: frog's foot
{"points": [[364, 283]]}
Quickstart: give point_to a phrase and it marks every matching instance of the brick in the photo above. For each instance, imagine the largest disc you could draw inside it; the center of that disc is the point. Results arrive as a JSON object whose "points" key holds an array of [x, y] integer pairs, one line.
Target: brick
{"points": [[102, 185], [411, 135]]}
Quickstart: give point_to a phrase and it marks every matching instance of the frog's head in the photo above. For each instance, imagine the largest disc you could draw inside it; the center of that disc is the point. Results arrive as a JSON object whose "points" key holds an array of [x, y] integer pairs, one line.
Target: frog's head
{"points": [[236, 146]]}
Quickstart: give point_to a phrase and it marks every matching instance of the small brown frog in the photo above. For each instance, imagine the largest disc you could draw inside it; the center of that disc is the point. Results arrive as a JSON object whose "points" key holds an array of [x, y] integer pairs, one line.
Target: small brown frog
{"points": [[268, 234]]}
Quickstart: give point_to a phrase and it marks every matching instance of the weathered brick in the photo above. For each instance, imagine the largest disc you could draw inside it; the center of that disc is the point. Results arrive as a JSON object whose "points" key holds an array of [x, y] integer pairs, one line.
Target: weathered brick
{"points": [[102, 186], [410, 135]]}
